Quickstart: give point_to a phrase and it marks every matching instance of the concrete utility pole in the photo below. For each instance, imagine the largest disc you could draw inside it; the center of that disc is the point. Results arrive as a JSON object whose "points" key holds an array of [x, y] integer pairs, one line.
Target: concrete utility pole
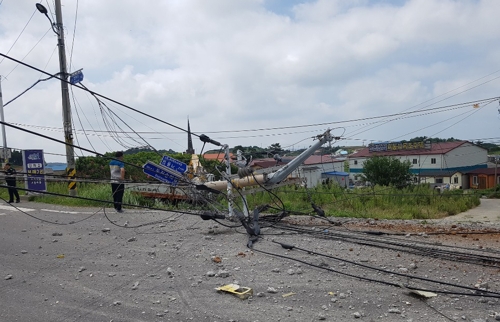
{"points": [[495, 182], [4, 155], [68, 129]]}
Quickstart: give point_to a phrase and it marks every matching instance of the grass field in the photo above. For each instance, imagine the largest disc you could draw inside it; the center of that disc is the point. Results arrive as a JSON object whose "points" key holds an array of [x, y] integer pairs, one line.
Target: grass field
{"points": [[415, 202]]}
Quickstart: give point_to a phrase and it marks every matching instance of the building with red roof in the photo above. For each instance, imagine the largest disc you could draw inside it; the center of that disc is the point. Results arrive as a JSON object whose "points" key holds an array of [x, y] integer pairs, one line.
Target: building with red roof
{"points": [[443, 162]]}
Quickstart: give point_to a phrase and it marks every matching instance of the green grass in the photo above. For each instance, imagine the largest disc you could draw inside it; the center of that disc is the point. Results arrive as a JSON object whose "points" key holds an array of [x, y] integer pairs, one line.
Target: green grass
{"points": [[415, 202]]}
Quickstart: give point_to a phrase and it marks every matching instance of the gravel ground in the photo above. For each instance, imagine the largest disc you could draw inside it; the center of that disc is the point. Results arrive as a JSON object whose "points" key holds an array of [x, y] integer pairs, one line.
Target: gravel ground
{"points": [[344, 270]]}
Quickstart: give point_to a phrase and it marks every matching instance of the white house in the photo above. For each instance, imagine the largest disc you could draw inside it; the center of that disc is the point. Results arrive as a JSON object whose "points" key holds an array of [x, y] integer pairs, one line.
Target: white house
{"points": [[313, 170], [443, 162]]}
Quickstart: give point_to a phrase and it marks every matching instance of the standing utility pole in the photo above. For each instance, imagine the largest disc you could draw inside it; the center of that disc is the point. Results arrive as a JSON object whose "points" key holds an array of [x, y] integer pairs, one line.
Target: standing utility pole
{"points": [[68, 130], [495, 183], [4, 155]]}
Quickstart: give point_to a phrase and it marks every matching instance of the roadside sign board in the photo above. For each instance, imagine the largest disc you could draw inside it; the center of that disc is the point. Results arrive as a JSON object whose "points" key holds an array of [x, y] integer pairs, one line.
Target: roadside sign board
{"points": [[173, 164], [34, 169], [76, 77], [160, 173]]}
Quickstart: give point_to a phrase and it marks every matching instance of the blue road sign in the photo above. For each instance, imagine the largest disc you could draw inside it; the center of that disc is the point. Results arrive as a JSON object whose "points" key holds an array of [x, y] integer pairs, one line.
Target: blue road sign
{"points": [[158, 173], [76, 77], [173, 164]]}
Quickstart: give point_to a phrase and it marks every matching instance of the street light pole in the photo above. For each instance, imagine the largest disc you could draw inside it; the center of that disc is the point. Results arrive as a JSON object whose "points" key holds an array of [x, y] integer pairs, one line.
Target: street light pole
{"points": [[68, 129]]}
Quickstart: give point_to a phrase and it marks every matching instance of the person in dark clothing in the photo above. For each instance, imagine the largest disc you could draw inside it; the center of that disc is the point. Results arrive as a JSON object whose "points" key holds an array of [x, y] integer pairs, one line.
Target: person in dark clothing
{"points": [[10, 179], [117, 170]]}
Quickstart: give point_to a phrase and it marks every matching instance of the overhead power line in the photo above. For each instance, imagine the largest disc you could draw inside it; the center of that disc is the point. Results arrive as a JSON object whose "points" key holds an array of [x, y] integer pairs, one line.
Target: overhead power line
{"points": [[97, 94]]}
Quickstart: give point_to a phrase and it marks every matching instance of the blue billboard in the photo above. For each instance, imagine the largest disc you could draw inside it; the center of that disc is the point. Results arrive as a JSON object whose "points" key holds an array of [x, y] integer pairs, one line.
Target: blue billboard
{"points": [[34, 169]]}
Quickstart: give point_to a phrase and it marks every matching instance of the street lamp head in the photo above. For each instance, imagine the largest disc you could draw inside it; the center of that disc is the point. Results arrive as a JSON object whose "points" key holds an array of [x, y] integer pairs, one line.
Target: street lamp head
{"points": [[41, 8]]}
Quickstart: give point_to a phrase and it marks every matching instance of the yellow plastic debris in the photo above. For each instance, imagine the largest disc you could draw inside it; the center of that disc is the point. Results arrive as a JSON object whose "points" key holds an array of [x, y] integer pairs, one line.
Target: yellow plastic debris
{"points": [[60, 256], [288, 294], [239, 291]]}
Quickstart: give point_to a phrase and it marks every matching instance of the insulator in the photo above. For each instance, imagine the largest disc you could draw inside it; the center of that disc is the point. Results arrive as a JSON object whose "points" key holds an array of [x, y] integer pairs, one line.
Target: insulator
{"points": [[244, 172]]}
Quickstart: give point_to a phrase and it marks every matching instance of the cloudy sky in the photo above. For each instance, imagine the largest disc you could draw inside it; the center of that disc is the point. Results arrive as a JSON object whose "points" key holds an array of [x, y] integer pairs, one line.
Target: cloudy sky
{"points": [[253, 72]]}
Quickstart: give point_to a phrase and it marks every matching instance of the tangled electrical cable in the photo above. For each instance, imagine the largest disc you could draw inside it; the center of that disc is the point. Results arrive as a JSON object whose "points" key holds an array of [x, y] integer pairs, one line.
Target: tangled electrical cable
{"points": [[471, 291]]}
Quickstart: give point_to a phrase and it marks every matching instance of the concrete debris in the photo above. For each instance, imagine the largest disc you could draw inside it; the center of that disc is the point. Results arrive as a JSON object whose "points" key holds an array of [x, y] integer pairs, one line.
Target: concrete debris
{"points": [[57, 234], [135, 286], [394, 310], [222, 273], [482, 285], [24, 252], [8, 277], [271, 290], [210, 274], [275, 270], [356, 315], [131, 239], [81, 269], [106, 230]]}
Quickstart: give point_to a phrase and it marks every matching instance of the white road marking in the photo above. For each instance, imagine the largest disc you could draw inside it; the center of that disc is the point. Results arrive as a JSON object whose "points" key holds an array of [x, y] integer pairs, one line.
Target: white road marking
{"points": [[69, 212], [12, 208]]}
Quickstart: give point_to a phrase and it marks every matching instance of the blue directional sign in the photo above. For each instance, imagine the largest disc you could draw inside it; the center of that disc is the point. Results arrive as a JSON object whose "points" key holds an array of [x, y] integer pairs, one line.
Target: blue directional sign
{"points": [[157, 172], [173, 164], [76, 77]]}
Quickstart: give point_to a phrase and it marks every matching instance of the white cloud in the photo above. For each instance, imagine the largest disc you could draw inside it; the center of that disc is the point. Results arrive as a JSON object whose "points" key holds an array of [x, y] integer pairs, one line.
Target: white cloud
{"points": [[232, 65]]}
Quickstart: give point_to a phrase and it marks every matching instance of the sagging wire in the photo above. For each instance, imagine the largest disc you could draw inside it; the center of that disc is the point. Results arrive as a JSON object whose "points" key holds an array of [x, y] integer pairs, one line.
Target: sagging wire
{"points": [[19, 36], [96, 94], [80, 121], [44, 220], [476, 292], [94, 152], [102, 208], [412, 248], [23, 92]]}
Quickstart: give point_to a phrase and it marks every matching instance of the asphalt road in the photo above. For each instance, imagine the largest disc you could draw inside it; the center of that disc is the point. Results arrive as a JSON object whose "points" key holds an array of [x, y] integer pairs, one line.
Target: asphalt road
{"points": [[69, 264], [488, 212]]}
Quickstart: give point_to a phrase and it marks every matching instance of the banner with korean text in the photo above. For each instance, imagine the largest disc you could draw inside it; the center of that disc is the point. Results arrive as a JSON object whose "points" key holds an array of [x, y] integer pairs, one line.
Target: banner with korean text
{"points": [[34, 169]]}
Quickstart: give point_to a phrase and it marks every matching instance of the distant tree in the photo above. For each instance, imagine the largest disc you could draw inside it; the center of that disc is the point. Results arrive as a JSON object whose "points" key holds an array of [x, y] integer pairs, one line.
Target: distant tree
{"points": [[238, 147], [275, 148], [433, 140], [387, 171], [418, 139], [16, 158], [488, 146]]}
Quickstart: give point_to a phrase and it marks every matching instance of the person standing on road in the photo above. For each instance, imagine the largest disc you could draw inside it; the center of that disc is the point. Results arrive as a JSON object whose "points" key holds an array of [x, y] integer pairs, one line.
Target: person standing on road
{"points": [[117, 169], [10, 179]]}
